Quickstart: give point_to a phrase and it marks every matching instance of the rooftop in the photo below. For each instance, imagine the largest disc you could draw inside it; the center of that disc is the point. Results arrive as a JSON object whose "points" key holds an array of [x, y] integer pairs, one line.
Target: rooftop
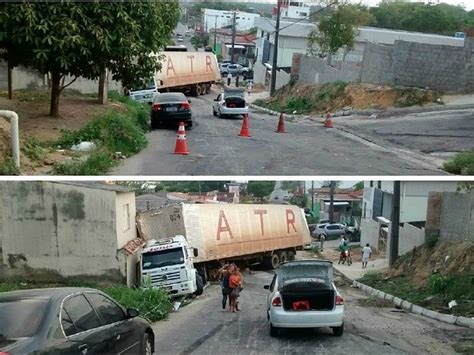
{"points": [[96, 185]]}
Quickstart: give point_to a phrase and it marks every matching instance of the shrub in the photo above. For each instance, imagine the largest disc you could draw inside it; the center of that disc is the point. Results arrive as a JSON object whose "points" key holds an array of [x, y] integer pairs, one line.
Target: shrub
{"points": [[438, 283], [7, 167], [152, 303], [33, 149], [97, 163], [461, 164], [407, 97]]}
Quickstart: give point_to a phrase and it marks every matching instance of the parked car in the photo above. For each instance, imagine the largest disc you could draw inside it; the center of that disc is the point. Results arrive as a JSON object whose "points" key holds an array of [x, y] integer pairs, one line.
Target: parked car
{"points": [[330, 231], [302, 294], [234, 69], [70, 321], [230, 103], [171, 107]]}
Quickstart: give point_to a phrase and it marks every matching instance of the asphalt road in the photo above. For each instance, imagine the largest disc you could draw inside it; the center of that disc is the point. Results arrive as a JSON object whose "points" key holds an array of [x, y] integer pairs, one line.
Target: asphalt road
{"points": [[435, 133], [307, 149], [202, 327]]}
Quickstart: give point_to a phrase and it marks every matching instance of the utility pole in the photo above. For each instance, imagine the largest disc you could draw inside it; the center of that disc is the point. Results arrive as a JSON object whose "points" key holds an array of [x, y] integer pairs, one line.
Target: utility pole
{"points": [[275, 50], [215, 34], [233, 40], [395, 227], [312, 196], [331, 203]]}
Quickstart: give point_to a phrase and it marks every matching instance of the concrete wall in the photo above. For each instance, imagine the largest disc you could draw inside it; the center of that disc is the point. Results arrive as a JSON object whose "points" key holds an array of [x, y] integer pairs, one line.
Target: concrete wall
{"points": [[62, 228], [259, 73], [24, 78], [282, 78], [377, 64], [369, 233], [451, 216], [125, 222], [410, 237]]}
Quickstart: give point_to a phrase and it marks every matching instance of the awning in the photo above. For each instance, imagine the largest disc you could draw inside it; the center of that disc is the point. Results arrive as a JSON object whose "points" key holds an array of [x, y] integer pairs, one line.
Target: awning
{"points": [[238, 46]]}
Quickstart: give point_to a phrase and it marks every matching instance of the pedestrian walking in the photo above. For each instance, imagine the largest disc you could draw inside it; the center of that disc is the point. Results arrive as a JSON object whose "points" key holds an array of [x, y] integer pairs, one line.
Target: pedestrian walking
{"points": [[229, 79], [224, 272], [322, 238], [366, 253], [249, 87]]}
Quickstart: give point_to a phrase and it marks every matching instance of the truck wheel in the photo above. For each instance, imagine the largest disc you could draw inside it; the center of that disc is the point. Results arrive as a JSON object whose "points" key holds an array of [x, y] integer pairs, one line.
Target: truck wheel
{"points": [[337, 331], [203, 89], [199, 285], [208, 88], [203, 274], [198, 90], [275, 261], [291, 255], [283, 257]]}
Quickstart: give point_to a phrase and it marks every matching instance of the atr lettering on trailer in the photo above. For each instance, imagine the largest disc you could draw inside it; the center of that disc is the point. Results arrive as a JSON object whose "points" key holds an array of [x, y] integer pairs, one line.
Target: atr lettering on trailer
{"points": [[223, 227], [170, 66], [261, 213], [191, 58]]}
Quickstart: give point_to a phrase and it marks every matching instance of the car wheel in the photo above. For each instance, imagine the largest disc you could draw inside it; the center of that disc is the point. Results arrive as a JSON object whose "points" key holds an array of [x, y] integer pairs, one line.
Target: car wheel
{"points": [[147, 346], [199, 285], [273, 331], [219, 114], [338, 331], [214, 113]]}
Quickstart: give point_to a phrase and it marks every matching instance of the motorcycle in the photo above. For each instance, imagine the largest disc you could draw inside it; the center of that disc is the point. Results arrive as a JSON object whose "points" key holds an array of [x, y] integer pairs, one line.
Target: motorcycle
{"points": [[345, 256]]}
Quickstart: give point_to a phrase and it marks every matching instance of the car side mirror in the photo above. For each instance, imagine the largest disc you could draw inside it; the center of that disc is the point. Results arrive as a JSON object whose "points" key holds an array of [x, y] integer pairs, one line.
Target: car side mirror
{"points": [[266, 287], [195, 252], [216, 99], [132, 313]]}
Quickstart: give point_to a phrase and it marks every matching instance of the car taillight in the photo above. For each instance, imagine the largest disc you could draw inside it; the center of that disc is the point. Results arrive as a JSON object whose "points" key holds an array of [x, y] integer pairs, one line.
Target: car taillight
{"points": [[339, 301], [276, 302], [185, 106], [4, 353], [156, 107]]}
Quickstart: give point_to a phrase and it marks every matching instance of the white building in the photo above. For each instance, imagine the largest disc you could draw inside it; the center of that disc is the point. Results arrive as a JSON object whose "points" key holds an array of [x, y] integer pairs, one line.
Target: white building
{"points": [[295, 9], [377, 211], [244, 21]]}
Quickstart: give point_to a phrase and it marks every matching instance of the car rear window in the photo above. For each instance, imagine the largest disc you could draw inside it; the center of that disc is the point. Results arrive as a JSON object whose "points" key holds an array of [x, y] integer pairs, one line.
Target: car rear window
{"points": [[21, 318], [301, 271], [170, 97]]}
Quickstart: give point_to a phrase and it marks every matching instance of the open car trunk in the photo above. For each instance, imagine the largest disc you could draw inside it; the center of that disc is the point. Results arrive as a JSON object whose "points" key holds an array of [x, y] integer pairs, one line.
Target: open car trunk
{"points": [[307, 295], [234, 102]]}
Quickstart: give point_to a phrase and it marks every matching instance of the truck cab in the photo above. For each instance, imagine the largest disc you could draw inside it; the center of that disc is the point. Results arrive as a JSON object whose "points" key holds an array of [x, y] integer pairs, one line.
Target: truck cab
{"points": [[167, 263]]}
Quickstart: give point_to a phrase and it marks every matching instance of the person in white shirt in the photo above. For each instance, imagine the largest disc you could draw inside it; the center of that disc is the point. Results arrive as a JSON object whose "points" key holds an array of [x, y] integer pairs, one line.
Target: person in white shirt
{"points": [[366, 253]]}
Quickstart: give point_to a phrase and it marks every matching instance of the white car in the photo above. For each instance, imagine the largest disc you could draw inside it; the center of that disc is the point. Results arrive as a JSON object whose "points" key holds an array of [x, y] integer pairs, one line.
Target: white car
{"points": [[303, 295], [230, 103]]}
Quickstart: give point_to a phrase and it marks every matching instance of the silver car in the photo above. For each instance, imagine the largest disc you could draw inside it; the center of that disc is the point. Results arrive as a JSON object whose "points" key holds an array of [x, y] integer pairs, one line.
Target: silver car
{"points": [[302, 294], [230, 103]]}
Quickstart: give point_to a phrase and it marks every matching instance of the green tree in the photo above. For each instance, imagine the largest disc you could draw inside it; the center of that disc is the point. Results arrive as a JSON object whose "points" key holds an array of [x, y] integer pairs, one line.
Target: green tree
{"points": [[337, 29], [82, 39], [193, 186], [328, 184], [359, 185], [260, 189]]}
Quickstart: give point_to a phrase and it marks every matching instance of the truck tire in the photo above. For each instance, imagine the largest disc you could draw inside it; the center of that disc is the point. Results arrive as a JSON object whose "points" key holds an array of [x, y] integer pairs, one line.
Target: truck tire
{"points": [[199, 285], [198, 90], [203, 274], [291, 255], [203, 89], [208, 88], [194, 91], [275, 260], [283, 257]]}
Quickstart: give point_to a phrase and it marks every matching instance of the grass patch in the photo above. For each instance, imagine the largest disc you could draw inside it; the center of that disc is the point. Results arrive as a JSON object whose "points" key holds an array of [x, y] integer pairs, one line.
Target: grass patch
{"points": [[407, 96], [441, 290], [111, 131], [96, 163], [152, 303], [7, 167], [324, 98], [33, 149], [461, 164]]}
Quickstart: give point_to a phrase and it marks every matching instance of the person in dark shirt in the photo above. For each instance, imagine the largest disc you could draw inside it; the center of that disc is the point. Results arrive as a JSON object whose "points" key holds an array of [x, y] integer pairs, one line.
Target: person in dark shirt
{"points": [[225, 272]]}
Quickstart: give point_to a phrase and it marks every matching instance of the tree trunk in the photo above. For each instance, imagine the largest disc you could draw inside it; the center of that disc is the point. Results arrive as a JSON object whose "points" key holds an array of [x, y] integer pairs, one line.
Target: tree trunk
{"points": [[103, 88], [55, 93], [10, 83]]}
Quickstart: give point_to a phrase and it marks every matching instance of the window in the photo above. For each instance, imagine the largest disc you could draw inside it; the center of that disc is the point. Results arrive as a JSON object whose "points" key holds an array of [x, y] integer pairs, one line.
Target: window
{"points": [[107, 309], [333, 227], [126, 217], [80, 312], [67, 323], [379, 185], [272, 285], [371, 184], [21, 317]]}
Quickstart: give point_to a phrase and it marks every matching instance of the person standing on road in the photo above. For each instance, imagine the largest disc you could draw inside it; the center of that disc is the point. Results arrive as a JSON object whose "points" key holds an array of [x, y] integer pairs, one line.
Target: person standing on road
{"points": [[235, 283], [225, 272], [366, 253], [249, 87], [229, 79]]}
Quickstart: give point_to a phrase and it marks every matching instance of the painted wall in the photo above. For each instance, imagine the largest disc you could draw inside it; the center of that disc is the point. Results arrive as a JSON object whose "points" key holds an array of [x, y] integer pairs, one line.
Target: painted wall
{"points": [[68, 229], [244, 20], [125, 207], [369, 233]]}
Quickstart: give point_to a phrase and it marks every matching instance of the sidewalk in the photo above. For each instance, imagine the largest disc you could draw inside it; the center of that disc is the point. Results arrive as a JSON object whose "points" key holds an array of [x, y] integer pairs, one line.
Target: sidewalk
{"points": [[354, 271], [257, 95]]}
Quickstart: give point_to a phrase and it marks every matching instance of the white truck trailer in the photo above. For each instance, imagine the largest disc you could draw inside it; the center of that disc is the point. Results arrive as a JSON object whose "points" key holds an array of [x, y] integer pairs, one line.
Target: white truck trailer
{"points": [[187, 243]]}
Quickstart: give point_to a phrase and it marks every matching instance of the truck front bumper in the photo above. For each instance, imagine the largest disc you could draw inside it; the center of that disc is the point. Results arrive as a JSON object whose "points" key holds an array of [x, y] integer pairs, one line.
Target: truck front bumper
{"points": [[306, 319], [179, 289]]}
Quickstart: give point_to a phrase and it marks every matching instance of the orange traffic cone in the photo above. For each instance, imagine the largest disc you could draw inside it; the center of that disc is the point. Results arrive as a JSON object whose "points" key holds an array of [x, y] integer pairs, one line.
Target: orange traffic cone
{"points": [[328, 121], [281, 124], [181, 142], [245, 131]]}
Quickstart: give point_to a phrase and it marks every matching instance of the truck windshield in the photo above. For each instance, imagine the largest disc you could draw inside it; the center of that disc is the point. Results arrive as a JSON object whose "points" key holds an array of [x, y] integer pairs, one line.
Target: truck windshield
{"points": [[162, 258]]}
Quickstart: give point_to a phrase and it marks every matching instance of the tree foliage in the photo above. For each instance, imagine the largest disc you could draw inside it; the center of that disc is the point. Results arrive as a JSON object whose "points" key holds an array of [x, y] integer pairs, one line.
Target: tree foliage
{"points": [[260, 189], [84, 38], [337, 29], [359, 185], [193, 186], [428, 18]]}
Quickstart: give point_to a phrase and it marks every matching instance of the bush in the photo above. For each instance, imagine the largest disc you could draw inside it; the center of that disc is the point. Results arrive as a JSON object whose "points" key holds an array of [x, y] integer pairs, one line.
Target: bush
{"points": [[97, 163], [7, 167], [152, 303], [33, 149], [461, 164], [407, 97], [438, 283], [327, 93]]}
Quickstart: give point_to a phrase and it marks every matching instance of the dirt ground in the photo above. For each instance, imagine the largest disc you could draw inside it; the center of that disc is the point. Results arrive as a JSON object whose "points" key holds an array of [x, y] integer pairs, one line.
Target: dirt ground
{"points": [[34, 121]]}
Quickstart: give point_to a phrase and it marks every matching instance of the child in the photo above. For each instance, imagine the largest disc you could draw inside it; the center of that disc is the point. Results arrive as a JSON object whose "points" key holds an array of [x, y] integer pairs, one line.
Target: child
{"points": [[366, 253], [235, 283]]}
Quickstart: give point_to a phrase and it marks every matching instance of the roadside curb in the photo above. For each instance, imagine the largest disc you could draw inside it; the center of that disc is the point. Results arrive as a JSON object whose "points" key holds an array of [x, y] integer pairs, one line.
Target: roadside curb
{"points": [[380, 113], [412, 308]]}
